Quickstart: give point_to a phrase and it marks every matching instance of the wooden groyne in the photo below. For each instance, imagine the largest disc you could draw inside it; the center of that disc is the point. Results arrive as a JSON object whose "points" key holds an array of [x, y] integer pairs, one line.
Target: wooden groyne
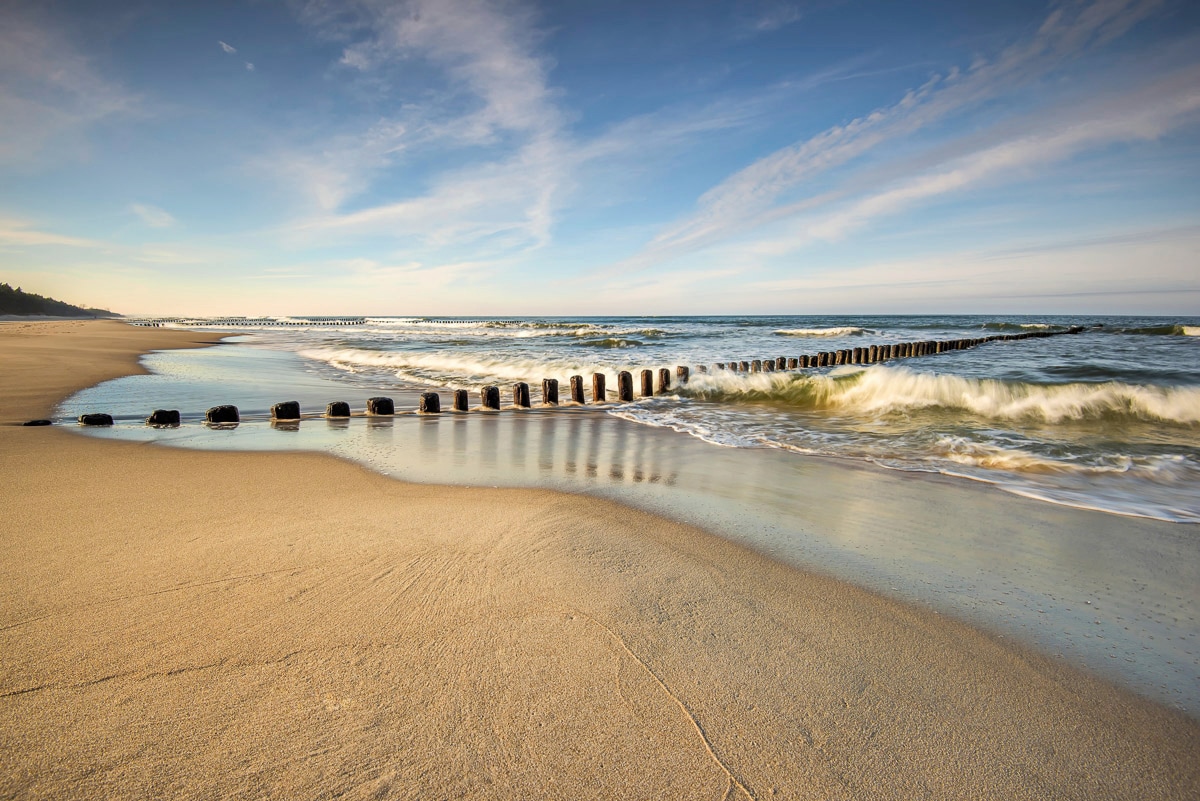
{"points": [[651, 383]]}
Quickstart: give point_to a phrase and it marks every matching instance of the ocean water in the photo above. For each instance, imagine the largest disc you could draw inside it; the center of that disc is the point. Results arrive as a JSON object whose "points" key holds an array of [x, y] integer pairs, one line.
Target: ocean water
{"points": [[1107, 419]]}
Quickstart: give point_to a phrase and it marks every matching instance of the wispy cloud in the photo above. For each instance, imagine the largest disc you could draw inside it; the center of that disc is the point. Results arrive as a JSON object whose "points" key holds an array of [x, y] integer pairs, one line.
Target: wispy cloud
{"points": [[747, 198], [21, 233], [49, 93], [152, 215], [228, 48], [771, 15]]}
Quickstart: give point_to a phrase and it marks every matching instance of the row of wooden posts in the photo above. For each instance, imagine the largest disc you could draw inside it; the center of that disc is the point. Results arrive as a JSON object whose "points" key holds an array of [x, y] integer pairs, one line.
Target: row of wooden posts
{"points": [[431, 402]]}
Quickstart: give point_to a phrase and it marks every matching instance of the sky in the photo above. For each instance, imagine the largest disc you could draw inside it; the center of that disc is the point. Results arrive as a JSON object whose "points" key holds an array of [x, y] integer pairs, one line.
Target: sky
{"points": [[460, 157]]}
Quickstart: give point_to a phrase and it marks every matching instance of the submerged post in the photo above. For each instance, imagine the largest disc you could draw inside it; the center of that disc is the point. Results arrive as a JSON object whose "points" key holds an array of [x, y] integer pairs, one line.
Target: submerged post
{"points": [[550, 391], [599, 392], [288, 410], [380, 406], [489, 397], [460, 400], [625, 386], [521, 395], [577, 389], [95, 419], [431, 403]]}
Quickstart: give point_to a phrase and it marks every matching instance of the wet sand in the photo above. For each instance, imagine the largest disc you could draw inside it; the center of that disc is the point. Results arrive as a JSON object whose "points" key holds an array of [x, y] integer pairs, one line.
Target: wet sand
{"points": [[202, 624]]}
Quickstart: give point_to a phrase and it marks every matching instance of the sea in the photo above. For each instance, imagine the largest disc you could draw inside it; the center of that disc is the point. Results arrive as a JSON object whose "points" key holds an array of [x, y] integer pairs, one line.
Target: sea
{"points": [[1105, 419]]}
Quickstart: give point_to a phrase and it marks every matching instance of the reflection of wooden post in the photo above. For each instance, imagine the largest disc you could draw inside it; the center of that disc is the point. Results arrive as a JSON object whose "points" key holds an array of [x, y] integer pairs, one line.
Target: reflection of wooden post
{"points": [[288, 410], [460, 400], [490, 397], [664, 380], [682, 373], [550, 391], [647, 383], [431, 403], [380, 406], [577, 389], [599, 393], [337, 409], [625, 386], [521, 395]]}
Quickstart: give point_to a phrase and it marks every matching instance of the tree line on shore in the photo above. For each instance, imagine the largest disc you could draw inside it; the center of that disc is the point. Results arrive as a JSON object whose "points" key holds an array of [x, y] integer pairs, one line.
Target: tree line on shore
{"points": [[17, 301]]}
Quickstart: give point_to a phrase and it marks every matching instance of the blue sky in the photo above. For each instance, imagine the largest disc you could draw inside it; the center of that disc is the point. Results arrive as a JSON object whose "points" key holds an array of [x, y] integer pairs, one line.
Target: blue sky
{"points": [[580, 157]]}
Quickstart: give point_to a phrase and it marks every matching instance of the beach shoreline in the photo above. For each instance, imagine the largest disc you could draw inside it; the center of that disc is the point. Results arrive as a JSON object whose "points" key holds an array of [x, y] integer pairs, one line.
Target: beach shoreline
{"points": [[227, 621]]}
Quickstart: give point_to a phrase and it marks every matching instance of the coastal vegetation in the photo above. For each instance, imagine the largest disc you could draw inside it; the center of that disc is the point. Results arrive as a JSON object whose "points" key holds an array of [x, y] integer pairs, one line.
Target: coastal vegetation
{"points": [[17, 301]]}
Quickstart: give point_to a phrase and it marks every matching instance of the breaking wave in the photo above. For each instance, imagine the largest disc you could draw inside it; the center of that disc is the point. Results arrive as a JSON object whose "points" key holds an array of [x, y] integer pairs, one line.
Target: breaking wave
{"points": [[844, 331], [888, 390]]}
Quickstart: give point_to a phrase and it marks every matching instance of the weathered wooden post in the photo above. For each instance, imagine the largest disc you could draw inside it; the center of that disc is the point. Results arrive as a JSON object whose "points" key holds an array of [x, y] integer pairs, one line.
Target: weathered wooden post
{"points": [[337, 409], [550, 391], [431, 403], [700, 368], [163, 417], [647, 383], [380, 406], [781, 363], [683, 374], [839, 357], [743, 367], [768, 365], [95, 419], [222, 414], [756, 366], [719, 365], [489, 397], [288, 410], [599, 392], [792, 364], [625, 386], [577, 389], [461, 400], [521, 395], [664, 380]]}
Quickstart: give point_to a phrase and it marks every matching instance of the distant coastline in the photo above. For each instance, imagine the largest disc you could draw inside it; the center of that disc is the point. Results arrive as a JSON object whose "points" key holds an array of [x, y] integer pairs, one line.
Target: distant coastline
{"points": [[17, 304]]}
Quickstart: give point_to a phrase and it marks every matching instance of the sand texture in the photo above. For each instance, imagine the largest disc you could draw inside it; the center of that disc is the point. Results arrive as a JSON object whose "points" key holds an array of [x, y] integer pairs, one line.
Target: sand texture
{"points": [[187, 624]]}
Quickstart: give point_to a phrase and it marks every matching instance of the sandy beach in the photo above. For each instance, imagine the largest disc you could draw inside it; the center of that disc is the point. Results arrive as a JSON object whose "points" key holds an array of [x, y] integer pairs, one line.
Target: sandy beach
{"points": [[207, 625]]}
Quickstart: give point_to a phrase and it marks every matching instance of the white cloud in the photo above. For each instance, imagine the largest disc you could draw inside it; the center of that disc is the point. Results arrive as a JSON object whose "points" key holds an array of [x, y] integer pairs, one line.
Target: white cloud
{"points": [[228, 48], [49, 93], [249, 67], [746, 198], [20, 233], [152, 215]]}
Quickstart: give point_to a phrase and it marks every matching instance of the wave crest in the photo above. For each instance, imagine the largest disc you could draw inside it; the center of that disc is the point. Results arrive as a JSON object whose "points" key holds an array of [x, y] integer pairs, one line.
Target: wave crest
{"points": [[844, 331]]}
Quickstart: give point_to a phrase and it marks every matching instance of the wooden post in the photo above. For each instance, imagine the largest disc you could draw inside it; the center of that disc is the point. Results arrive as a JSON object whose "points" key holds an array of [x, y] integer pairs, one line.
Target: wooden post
{"points": [[550, 391], [683, 374], [792, 364], [521, 395], [431, 403], [781, 363], [625, 386], [577, 389], [768, 365], [719, 365], [599, 393], [700, 368], [664, 380], [743, 367], [288, 410], [337, 409], [647, 383], [222, 414], [489, 397], [97, 419], [380, 406], [163, 417], [756, 366], [460, 400], [839, 357]]}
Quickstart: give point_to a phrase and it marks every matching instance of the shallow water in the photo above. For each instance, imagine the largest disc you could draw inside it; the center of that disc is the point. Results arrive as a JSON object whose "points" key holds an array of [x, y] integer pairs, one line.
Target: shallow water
{"points": [[1117, 594], [1108, 419]]}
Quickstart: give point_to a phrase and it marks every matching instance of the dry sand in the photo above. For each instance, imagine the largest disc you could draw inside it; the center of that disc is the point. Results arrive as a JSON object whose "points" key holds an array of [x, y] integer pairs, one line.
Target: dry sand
{"points": [[206, 625]]}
